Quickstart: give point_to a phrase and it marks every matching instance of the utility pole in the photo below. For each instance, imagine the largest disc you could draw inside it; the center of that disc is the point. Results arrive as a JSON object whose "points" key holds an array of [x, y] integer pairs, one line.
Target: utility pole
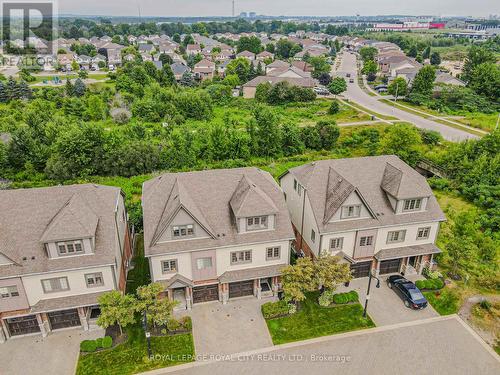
{"points": [[233, 9]]}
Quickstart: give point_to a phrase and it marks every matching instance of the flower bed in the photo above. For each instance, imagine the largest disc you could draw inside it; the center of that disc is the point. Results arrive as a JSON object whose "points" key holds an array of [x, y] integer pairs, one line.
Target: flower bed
{"points": [[327, 298]]}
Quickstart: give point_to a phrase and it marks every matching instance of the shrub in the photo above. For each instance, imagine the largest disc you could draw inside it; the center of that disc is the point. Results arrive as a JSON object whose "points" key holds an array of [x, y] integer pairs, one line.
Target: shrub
{"points": [[334, 108], [98, 343], [326, 298], [186, 323], [88, 346], [173, 324], [292, 309], [430, 284], [343, 298], [275, 309], [485, 304], [107, 342]]}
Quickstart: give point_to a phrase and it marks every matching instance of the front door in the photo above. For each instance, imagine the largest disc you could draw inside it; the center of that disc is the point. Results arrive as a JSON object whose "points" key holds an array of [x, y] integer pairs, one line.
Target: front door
{"points": [[413, 261], [180, 297]]}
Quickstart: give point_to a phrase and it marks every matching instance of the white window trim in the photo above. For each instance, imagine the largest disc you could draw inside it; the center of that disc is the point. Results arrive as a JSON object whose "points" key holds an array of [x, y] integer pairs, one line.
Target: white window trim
{"points": [[58, 290], [424, 229], [66, 251], [273, 257], [179, 228], [238, 260], [413, 201], [203, 259], [356, 211], [401, 233], [260, 226], [94, 276], [8, 291], [369, 241], [170, 270], [339, 240]]}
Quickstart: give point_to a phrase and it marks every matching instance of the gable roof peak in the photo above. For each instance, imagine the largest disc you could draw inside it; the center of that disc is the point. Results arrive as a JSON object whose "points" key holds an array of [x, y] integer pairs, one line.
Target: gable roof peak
{"points": [[338, 190], [250, 200]]}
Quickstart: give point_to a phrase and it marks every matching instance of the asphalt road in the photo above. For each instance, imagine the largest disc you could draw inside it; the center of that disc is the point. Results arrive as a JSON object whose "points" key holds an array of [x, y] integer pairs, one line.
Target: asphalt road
{"points": [[441, 345], [356, 94]]}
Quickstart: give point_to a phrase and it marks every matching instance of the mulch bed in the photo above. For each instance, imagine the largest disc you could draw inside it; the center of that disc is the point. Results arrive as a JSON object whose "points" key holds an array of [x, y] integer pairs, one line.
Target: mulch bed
{"points": [[114, 332]]}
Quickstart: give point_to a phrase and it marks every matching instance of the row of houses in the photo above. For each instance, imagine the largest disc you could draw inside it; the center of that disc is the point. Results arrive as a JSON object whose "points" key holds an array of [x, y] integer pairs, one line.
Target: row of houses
{"points": [[211, 235]]}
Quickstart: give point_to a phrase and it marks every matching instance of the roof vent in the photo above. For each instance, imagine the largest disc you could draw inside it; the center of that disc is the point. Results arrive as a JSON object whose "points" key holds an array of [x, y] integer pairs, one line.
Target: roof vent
{"points": [[24, 258], [33, 258]]}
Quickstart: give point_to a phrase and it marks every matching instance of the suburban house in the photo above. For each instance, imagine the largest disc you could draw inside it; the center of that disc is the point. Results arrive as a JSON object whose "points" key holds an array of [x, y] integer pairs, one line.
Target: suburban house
{"points": [[205, 69], [291, 72], [250, 88], [250, 56], [216, 234], [65, 60], [193, 49], [375, 212], [264, 55], [60, 249], [179, 69]]}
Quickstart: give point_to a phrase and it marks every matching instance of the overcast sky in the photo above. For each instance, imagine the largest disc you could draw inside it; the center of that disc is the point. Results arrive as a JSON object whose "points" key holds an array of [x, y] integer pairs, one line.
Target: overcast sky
{"points": [[279, 7]]}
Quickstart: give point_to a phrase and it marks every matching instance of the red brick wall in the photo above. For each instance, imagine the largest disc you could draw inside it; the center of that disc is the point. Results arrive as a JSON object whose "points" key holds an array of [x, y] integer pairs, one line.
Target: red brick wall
{"points": [[300, 243], [127, 254]]}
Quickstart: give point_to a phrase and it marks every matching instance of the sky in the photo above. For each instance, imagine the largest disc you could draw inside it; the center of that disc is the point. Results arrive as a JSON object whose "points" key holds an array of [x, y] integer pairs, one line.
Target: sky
{"points": [[172, 8]]}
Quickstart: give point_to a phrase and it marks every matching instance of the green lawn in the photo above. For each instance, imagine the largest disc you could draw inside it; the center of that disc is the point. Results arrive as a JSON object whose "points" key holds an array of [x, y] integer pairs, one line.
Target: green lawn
{"points": [[131, 357], [445, 302], [312, 320], [139, 275]]}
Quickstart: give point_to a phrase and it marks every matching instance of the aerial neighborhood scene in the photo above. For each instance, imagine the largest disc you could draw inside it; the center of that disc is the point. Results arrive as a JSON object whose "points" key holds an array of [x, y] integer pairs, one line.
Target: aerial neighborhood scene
{"points": [[238, 186]]}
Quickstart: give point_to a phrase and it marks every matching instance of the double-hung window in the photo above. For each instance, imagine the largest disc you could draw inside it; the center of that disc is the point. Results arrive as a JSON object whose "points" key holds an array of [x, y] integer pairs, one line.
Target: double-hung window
{"points": [[273, 253], [183, 230], [9, 291], [351, 211], [94, 279], [366, 241], [70, 248], [423, 233], [396, 236], [240, 257], [204, 263], [336, 243], [57, 284], [412, 204], [168, 266]]}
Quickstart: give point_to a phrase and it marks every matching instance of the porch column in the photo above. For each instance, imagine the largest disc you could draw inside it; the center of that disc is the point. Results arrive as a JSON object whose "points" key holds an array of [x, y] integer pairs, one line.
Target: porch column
{"points": [[225, 292], [189, 302], [83, 318], [274, 285], [3, 335], [376, 266], [257, 289], [44, 330]]}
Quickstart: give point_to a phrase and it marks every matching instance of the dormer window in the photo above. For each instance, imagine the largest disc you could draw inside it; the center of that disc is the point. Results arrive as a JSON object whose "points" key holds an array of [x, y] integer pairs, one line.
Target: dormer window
{"points": [[69, 248], [412, 204], [257, 222], [349, 212], [183, 230]]}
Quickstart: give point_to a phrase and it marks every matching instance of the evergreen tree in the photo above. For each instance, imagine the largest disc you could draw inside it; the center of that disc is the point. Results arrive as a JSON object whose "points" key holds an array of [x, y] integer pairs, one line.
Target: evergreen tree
{"points": [[435, 58], [4, 95], [12, 89], [79, 88], [427, 52], [260, 70], [69, 88], [25, 91], [187, 79]]}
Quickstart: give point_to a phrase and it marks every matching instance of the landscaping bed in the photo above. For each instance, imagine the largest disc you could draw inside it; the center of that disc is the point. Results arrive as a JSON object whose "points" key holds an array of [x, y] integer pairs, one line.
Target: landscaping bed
{"points": [[445, 301], [312, 320]]}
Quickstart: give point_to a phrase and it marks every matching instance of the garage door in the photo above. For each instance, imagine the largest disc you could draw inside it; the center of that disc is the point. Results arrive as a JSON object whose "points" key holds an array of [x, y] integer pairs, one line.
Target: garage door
{"points": [[361, 269], [206, 293], [390, 266], [64, 319], [241, 288], [23, 325]]}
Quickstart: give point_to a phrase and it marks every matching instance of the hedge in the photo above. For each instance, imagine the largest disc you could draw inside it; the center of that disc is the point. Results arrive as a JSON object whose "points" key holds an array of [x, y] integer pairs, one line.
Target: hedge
{"points": [[89, 346], [430, 284], [275, 309], [343, 298]]}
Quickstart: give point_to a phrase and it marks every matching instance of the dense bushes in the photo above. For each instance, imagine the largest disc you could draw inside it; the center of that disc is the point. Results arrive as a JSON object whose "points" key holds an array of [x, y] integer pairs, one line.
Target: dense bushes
{"points": [[272, 310], [326, 298], [89, 346], [343, 298], [430, 284], [282, 93], [179, 325]]}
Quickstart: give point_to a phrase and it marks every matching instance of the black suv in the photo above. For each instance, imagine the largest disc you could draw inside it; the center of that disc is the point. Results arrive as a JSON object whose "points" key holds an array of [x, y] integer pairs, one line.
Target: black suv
{"points": [[409, 293]]}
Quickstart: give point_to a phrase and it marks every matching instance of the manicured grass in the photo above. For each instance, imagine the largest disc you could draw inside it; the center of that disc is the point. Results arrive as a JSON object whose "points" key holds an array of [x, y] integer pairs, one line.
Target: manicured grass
{"points": [[140, 274], [131, 357], [445, 301], [378, 115], [312, 320]]}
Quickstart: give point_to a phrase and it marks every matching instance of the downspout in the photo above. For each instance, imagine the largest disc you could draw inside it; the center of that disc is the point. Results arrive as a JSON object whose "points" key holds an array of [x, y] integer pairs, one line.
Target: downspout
{"points": [[302, 223]]}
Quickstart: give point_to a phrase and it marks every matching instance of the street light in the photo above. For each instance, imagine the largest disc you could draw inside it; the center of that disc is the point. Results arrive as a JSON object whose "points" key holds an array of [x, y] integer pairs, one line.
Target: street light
{"points": [[148, 334], [368, 291]]}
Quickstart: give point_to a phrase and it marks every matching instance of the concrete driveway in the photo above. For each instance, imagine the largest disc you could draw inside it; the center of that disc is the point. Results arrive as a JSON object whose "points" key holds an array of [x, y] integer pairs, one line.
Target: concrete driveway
{"points": [[385, 307], [231, 328], [55, 354]]}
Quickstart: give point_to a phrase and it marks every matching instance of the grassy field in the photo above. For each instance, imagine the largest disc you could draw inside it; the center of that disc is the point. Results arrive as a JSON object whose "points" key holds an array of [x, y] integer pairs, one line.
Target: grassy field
{"points": [[312, 320], [302, 114], [64, 77]]}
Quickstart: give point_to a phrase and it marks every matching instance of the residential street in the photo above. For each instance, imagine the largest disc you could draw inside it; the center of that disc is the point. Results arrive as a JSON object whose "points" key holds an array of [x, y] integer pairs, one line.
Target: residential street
{"points": [[442, 345], [356, 94]]}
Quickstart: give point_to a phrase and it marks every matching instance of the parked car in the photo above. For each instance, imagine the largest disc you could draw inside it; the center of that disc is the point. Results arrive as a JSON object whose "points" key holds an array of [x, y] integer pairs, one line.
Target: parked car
{"points": [[321, 91], [407, 291], [351, 80], [348, 75]]}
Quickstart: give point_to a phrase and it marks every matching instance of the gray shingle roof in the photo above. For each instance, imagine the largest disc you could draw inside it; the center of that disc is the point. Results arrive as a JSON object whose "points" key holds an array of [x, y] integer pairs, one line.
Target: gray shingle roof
{"points": [[407, 251], [249, 200], [366, 174], [27, 213], [302, 82], [210, 192], [337, 191]]}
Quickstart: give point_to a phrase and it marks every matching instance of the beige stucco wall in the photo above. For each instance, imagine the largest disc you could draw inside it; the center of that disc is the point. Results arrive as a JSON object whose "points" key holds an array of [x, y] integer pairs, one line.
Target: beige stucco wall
{"points": [[13, 303], [249, 92], [76, 281], [182, 218]]}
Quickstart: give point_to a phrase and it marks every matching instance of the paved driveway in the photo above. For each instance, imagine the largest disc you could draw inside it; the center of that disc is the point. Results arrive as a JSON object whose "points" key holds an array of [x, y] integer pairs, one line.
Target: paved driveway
{"points": [[55, 354], [442, 345], [385, 307], [231, 328]]}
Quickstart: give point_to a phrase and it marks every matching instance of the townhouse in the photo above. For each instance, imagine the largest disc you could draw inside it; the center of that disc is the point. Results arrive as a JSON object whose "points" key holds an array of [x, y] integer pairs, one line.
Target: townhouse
{"points": [[216, 234], [375, 212], [205, 69], [60, 249]]}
